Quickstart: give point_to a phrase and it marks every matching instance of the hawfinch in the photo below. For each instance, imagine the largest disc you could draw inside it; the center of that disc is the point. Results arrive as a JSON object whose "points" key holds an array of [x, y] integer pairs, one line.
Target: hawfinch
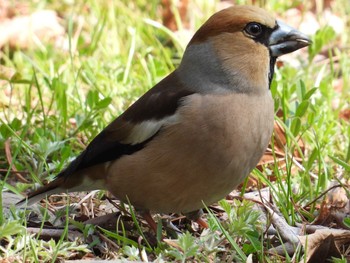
{"points": [[199, 132]]}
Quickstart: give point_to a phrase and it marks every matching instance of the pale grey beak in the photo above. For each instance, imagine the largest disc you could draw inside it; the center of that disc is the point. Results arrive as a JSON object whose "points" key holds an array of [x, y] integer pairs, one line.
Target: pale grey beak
{"points": [[285, 39]]}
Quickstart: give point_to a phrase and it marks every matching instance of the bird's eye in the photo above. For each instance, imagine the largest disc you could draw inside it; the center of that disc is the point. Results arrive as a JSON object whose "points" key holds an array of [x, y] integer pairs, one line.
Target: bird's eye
{"points": [[253, 29]]}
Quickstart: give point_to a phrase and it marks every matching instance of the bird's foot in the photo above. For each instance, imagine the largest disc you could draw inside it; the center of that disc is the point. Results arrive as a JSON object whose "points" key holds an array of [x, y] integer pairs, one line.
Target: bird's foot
{"points": [[196, 216]]}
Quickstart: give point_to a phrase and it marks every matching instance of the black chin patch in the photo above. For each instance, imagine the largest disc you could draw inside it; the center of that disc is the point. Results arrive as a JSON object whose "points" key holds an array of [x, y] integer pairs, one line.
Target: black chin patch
{"points": [[272, 68]]}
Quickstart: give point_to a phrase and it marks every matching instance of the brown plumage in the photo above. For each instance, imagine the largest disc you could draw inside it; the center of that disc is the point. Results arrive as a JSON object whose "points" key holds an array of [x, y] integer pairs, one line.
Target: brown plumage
{"points": [[199, 132]]}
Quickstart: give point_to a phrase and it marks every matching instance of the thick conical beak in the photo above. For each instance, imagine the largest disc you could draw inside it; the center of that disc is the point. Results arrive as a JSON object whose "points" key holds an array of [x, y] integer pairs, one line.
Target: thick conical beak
{"points": [[285, 39]]}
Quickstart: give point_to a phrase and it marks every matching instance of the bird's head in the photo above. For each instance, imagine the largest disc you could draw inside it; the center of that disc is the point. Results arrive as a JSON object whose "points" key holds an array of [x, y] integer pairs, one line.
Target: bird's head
{"points": [[236, 48]]}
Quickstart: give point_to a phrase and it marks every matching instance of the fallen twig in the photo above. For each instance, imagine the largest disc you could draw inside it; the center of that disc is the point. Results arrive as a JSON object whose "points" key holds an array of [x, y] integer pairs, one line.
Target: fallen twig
{"points": [[48, 233]]}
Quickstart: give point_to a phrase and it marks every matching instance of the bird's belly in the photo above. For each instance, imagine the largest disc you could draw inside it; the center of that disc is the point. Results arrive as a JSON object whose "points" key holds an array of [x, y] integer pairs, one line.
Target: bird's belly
{"points": [[200, 159]]}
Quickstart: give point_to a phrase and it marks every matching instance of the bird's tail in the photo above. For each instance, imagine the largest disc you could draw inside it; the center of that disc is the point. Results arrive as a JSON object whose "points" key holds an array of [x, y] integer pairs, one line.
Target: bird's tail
{"points": [[85, 180], [53, 187]]}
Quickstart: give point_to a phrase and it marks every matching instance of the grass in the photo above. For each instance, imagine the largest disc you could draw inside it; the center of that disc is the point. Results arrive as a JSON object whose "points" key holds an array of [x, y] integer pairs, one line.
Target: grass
{"points": [[55, 100]]}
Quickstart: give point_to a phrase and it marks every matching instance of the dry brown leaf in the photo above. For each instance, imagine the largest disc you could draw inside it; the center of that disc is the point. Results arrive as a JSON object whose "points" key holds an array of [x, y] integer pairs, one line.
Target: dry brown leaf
{"points": [[323, 217], [337, 198], [334, 208], [345, 114], [23, 31], [9, 9], [324, 244], [172, 243], [324, 251], [168, 15], [7, 73]]}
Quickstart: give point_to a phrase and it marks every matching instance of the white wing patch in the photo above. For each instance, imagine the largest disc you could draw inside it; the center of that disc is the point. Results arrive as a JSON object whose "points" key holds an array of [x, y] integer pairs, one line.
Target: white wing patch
{"points": [[146, 129]]}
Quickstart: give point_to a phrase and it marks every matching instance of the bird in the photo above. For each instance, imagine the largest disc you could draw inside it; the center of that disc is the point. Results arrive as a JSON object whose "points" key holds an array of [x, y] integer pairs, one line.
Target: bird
{"points": [[197, 134]]}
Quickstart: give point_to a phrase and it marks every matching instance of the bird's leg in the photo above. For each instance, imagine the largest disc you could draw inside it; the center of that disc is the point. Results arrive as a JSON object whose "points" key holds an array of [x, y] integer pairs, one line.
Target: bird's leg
{"points": [[200, 221], [149, 219], [196, 217], [173, 230]]}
